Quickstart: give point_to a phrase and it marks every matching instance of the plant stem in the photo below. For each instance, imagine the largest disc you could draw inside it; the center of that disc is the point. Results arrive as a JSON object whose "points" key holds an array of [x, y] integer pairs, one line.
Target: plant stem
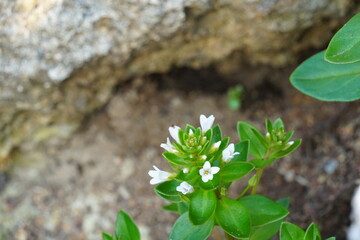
{"points": [[258, 178], [243, 192]]}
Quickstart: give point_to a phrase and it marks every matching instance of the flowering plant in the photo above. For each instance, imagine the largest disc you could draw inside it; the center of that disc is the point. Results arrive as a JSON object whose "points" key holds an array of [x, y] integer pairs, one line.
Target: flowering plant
{"points": [[204, 167]]}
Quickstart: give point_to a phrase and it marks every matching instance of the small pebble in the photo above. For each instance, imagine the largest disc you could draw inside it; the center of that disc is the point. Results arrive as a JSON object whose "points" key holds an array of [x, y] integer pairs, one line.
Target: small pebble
{"points": [[330, 166]]}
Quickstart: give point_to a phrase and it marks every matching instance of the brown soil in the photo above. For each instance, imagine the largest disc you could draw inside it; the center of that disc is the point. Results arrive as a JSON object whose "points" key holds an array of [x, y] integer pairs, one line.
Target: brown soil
{"points": [[74, 191]]}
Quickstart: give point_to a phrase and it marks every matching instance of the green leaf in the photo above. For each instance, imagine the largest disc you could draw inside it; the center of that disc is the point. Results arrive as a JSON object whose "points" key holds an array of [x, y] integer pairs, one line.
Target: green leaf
{"points": [[246, 132], [233, 217], [331, 238], [289, 231], [171, 207], [263, 210], [212, 184], [268, 231], [183, 229], [326, 81], [269, 127], [242, 148], [179, 161], [217, 135], [235, 170], [344, 47], [106, 236], [183, 207], [167, 191], [285, 202], [288, 150], [202, 206], [126, 228], [312, 233], [278, 124]]}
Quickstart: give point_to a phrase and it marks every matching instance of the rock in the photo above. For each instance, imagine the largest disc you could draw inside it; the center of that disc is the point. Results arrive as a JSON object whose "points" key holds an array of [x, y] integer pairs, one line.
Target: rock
{"points": [[60, 60]]}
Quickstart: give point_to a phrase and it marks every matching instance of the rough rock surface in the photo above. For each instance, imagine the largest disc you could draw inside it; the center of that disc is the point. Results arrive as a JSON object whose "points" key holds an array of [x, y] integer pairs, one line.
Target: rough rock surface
{"points": [[60, 60]]}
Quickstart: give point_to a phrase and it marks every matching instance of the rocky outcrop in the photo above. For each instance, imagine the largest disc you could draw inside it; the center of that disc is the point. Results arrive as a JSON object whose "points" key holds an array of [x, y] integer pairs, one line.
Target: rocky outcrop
{"points": [[60, 60]]}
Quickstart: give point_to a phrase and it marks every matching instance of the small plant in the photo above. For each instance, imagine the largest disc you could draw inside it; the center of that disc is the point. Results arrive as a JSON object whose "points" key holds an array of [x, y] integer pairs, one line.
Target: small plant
{"points": [[234, 97], [204, 166], [334, 74]]}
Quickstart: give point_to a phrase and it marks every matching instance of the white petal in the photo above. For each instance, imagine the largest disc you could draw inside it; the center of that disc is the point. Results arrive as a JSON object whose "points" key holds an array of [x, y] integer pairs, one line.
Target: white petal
{"points": [[217, 145], [207, 165], [206, 122], [152, 173], [174, 132], [214, 170], [204, 178], [231, 148], [185, 170], [201, 172]]}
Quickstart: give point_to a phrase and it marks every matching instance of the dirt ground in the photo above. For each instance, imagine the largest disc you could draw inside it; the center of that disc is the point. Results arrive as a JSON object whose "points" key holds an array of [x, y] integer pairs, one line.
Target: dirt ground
{"points": [[73, 191]]}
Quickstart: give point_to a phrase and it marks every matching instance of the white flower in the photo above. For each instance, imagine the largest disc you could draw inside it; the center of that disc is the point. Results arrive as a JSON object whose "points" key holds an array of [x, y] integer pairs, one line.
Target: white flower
{"points": [[174, 132], [185, 170], [215, 147], [229, 153], [291, 143], [207, 172], [168, 146], [158, 176], [185, 188], [203, 157], [206, 122]]}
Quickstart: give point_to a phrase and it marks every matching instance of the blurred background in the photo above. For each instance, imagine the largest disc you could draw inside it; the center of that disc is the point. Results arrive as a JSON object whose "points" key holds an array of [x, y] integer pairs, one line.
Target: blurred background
{"points": [[88, 89]]}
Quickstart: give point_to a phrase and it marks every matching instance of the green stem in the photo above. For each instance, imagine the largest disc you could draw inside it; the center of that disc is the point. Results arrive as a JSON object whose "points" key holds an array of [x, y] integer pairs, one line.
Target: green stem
{"points": [[243, 192], [258, 178]]}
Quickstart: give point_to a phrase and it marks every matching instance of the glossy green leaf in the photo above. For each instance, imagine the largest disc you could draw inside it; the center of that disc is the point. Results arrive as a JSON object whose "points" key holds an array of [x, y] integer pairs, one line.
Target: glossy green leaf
{"points": [[312, 233], [202, 206], [243, 149], [183, 207], [289, 231], [106, 236], [126, 228], [263, 210], [288, 150], [246, 132], [233, 171], [217, 135], [167, 191], [269, 126], [183, 229], [344, 47], [171, 207], [211, 184], [326, 81], [331, 238], [233, 218], [266, 232], [179, 161]]}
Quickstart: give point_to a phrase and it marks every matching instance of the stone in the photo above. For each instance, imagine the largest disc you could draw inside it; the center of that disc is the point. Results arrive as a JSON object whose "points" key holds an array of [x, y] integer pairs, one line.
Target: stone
{"points": [[60, 60]]}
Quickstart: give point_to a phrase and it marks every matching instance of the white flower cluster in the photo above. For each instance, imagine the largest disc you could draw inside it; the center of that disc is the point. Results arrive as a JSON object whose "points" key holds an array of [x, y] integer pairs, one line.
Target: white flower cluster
{"points": [[206, 172]]}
